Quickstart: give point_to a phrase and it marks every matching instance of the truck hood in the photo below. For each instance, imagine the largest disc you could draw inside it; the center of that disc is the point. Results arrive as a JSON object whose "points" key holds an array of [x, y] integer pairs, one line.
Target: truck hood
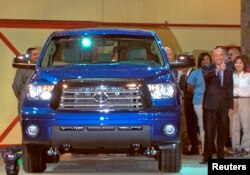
{"points": [[148, 73]]}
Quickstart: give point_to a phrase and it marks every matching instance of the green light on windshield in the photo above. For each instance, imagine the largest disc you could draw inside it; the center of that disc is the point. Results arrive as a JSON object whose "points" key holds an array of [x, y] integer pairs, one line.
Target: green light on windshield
{"points": [[86, 42]]}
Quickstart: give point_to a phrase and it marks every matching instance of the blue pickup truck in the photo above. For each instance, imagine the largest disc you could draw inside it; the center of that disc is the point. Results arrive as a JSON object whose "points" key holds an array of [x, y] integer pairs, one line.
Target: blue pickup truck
{"points": [[101, 90]]}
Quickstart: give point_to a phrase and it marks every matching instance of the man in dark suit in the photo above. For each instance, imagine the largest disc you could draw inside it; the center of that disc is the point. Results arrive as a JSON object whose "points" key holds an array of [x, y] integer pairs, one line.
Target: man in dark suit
{"points": [[218, 100], [190, 115]]}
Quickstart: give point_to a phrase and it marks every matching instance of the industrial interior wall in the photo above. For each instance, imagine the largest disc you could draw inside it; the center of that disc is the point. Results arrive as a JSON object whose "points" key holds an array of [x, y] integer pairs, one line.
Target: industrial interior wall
{"points": [[15, 39]]}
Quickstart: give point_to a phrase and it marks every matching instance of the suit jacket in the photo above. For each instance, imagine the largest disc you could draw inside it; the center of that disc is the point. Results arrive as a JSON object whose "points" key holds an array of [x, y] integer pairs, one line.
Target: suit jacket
{"points": [[215, 94], [188, 96]]}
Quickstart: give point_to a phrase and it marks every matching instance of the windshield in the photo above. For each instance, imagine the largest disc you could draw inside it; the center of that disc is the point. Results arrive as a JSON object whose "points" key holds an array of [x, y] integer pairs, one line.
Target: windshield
{"points": [[102, 49]]}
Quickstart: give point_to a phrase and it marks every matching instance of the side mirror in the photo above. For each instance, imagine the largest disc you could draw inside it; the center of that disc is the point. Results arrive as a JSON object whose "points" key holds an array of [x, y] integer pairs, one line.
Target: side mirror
{"points": [[23, 61], [183, 60]]}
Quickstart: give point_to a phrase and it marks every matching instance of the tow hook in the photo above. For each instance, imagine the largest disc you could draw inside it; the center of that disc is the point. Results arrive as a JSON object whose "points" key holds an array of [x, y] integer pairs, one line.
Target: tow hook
{"points": [[53, 151], [150, 151]]}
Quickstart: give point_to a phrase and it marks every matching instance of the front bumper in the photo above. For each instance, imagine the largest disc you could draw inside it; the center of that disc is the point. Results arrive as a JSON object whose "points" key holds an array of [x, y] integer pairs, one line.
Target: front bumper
{"points": [[96, 130]]}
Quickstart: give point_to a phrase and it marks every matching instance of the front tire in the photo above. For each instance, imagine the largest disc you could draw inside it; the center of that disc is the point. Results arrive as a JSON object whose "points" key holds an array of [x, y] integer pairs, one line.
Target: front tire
{"points": [[34, 158], [170, 159]]}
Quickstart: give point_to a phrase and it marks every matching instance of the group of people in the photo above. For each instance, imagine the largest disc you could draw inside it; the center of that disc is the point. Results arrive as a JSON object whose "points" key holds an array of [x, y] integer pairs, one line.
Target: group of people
{"points": [[216, 100]]}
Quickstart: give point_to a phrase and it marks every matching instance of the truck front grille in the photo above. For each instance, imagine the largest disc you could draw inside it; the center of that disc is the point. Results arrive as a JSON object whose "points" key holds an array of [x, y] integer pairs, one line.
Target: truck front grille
{"points": [[105, 97]]}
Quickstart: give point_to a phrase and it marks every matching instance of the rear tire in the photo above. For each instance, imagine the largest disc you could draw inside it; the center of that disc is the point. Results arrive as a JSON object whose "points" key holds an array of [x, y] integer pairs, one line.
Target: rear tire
{"points": [[34, 158], [170, 159]]}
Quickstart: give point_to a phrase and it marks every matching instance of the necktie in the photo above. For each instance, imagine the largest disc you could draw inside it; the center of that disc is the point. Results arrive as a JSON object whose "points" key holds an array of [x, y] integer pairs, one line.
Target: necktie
{"points": [[221, 76]]}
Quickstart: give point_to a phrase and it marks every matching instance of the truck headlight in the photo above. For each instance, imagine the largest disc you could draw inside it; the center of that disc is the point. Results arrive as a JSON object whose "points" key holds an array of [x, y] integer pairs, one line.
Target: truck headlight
{"points": [[163, 90], [39, 92]]}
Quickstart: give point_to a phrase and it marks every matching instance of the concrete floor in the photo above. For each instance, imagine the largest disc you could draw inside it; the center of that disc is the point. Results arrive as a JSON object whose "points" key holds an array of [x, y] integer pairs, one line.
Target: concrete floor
{"points": [[114, 165]]}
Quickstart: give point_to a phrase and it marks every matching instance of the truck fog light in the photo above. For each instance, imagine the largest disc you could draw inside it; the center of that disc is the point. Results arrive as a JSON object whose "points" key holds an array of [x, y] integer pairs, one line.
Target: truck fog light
{"points": [[32, 130], [169, 129]]}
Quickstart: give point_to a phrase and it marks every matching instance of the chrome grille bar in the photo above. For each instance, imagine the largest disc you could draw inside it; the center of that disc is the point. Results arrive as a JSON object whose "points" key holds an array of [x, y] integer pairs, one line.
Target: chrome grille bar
{"points": [[111, 98], [101, 105]]}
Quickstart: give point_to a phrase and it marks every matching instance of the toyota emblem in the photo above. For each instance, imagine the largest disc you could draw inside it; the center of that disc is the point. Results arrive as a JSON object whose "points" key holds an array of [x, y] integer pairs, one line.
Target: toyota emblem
{"points": [[101, 97]]}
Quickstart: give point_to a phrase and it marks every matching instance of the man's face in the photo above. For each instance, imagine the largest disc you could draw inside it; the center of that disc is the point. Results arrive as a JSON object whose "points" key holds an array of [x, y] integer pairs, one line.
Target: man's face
{"points": [[232, 54], [169, 54], [34, 56], [218, 56]]}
